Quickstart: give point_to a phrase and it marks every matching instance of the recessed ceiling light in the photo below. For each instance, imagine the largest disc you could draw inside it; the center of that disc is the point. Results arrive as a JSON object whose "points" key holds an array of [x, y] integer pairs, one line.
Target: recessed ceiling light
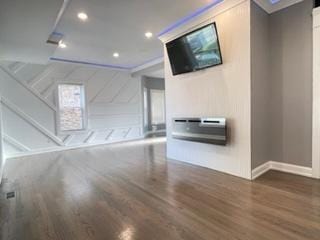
{"points": [[83, 16], [62, 45], [116, 55], [148, 34]]}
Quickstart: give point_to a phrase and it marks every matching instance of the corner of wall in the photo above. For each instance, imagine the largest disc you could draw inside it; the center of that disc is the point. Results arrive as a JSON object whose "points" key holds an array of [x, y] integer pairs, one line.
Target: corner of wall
{"points": [[260, 86], [219, 91]]}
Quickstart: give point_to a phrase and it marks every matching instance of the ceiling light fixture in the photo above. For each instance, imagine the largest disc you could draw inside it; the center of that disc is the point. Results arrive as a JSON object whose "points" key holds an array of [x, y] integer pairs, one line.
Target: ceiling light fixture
{"points": [[116, 55], [62, 45], [148, 34], [82, 16]]}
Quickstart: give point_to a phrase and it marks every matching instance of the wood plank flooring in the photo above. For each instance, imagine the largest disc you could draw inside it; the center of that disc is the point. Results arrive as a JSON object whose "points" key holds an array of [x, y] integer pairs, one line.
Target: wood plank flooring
{"points": [[131, 191]]}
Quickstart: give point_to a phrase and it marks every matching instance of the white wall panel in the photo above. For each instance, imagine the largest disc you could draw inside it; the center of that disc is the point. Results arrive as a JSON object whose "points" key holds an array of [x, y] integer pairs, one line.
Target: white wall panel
{"points": [[114, 109], [114, 121], [128, 92], [17, 128], [81, 74], [79, 139], [102, 135], [221, 91], [10, 149], [101, 79], [113, 103], [25, 71], [114, 88], [21, 97]]}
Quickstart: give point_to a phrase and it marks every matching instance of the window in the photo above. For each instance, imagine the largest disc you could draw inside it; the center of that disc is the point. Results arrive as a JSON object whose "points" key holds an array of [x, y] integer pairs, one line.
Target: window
{"points": [[71, 107], [157, 107]]}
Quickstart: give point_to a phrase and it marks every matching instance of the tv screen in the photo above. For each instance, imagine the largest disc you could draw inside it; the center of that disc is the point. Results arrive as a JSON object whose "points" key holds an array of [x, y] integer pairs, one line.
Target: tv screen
{"points": [[194, 51]]}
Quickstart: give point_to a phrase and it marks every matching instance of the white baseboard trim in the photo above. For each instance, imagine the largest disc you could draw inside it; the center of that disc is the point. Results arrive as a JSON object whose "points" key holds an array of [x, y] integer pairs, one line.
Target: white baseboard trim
{"points": [[290, 168], [283, 167], [65, 148], [146, 134], [258, 171]]}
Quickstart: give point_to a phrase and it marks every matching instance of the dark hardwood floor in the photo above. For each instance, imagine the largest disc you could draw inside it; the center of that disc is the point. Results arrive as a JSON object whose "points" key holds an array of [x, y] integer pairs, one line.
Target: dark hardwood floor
{"points": [[130, 191]]}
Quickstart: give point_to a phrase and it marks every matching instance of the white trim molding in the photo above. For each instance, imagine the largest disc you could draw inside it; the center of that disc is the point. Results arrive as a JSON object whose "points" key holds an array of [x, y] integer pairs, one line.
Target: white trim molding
{"points": [[31, 90], [262, 169], [66, 148], [16, 144], [2, 158], [31, 121], [290, 168], [316, 95], [282, 167]]}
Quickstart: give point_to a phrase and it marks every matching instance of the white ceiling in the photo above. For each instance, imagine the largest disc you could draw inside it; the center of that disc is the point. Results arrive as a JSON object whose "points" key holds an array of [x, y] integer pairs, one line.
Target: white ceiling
{"points": [[271, 6], [112, 26], [119, 26], [24, 29]]}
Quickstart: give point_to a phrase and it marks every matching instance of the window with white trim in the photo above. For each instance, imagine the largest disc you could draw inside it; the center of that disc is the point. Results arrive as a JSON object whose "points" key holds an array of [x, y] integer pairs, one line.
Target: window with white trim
{"points": [[71, 107]]}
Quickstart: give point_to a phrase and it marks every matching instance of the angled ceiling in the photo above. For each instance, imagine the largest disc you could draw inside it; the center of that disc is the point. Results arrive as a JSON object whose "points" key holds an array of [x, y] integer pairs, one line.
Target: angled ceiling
{"points": [[112, 26], [271, 6]]}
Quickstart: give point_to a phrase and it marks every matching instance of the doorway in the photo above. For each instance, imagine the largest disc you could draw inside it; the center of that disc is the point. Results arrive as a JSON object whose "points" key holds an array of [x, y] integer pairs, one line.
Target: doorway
{"points": [[154, 106]]}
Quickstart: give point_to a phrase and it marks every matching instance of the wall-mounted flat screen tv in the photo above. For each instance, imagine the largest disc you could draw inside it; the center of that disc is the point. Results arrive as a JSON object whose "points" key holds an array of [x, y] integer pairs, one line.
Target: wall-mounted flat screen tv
{"points": [[195, 51]]}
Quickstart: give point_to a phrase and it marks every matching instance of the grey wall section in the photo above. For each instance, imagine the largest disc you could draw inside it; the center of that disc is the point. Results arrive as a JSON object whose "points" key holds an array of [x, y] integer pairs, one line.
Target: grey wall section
{"points": [[291, 76], [260, 87], [152, 83]]}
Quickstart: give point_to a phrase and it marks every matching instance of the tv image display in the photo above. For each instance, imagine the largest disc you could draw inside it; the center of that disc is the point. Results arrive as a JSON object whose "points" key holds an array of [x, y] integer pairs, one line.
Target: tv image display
{"points": [[195, 51]]}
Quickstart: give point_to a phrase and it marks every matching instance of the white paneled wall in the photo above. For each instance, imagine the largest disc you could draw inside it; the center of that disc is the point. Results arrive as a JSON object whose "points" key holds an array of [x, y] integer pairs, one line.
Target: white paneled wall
{"points": [[222, 91], [29, 106]]}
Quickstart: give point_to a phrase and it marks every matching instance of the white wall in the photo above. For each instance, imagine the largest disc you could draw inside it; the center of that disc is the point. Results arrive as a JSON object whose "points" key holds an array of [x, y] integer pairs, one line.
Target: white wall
{"points": [[316, 94], [2, 160], [222, 91], [29, 105]]}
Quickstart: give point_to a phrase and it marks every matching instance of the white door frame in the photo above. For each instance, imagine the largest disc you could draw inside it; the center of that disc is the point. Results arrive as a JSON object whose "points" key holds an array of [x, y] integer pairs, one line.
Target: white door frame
{"points": [[316, 95], [2, 159]]}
